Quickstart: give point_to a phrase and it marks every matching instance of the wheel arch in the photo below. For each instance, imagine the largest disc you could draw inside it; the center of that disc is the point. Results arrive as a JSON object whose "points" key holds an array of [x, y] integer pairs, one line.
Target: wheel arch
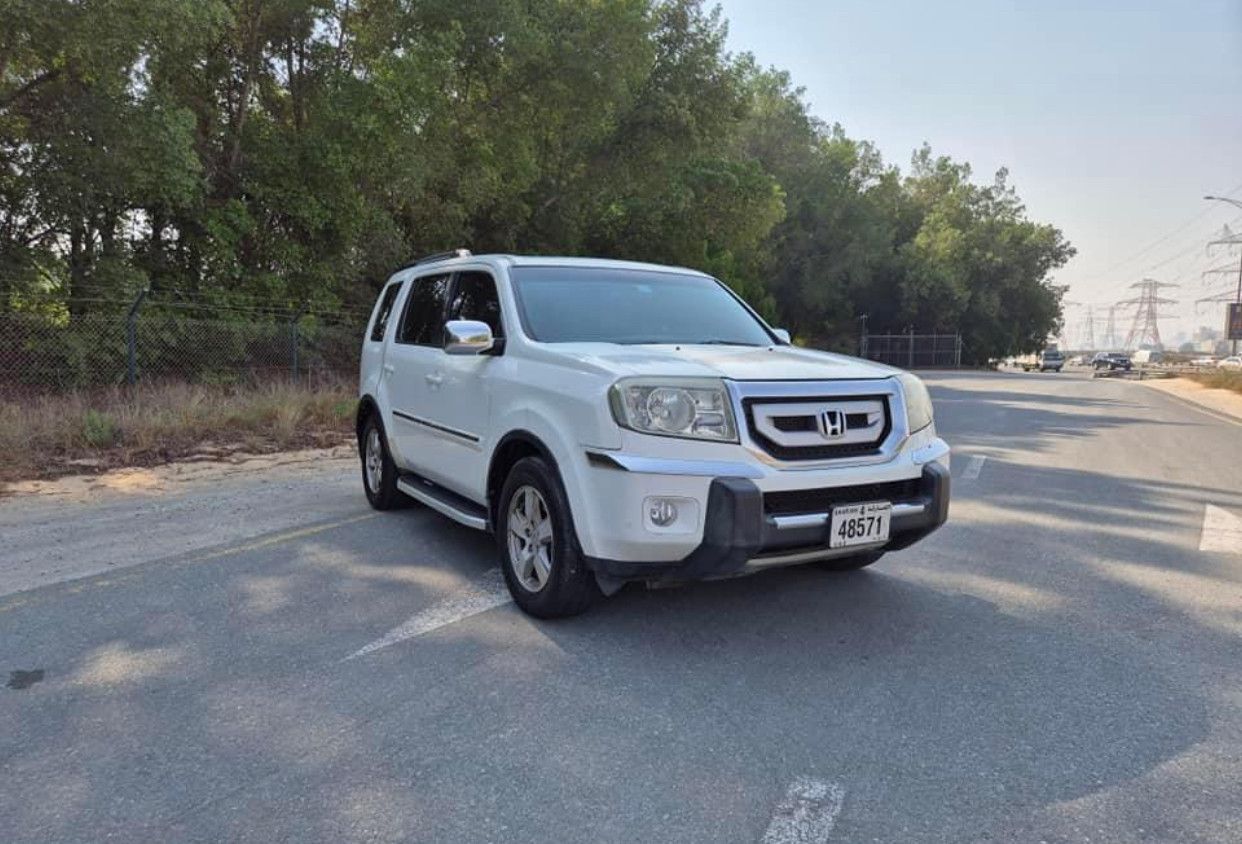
{"points": [[509, 449], [366, 407]]}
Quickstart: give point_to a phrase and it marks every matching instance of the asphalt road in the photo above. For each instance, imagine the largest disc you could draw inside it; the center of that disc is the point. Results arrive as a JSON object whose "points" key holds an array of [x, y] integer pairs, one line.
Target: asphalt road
{"points": [[263, 659]]}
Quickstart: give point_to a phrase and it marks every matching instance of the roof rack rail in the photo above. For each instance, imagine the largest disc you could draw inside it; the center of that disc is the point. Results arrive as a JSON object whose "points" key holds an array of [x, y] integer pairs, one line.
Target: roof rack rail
{"points": [[438, 256]]}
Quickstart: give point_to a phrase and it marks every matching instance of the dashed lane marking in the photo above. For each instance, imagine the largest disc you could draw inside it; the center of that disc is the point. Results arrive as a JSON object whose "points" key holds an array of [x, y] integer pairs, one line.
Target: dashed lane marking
{"points": [[478, 597], [1222, 531], [806, 814], [974, 467]]}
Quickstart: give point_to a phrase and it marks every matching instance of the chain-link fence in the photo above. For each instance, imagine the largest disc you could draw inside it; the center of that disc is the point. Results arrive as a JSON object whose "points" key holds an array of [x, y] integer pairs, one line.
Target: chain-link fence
{"points": [[913, 351], [83, 344]]}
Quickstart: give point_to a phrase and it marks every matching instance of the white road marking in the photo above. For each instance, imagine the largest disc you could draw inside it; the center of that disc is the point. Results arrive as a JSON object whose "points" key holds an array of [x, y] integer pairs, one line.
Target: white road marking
{"points": [[1222, 531], [806, 814], [478, 597], [974, 467]]}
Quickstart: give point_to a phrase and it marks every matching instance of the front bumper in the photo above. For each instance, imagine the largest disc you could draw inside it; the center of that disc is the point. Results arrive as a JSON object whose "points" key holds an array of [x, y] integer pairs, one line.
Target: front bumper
{"points": [[738, 535]]}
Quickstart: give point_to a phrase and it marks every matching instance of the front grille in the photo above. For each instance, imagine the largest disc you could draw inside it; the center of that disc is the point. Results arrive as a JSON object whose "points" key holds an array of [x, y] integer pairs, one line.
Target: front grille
{"points": [[793, 502], [803, 423]]}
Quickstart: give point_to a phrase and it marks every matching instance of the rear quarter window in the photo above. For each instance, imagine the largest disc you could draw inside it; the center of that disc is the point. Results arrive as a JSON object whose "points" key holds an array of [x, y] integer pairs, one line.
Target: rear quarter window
{"points": [[382, 314]]}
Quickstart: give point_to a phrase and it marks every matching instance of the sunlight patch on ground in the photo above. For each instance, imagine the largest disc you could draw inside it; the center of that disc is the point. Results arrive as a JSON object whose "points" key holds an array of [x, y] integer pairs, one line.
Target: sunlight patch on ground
{"points": [[265, 594], [1014, 598], [116, 663], [1213, 601], [418, 572]]}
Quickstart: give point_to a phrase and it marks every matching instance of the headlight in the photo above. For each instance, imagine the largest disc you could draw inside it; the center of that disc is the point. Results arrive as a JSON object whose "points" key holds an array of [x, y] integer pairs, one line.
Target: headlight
{"points": [[918, 402], [693, 407]]}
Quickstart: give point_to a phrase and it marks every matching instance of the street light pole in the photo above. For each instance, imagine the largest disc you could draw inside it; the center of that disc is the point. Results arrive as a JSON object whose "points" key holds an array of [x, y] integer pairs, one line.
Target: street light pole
{"points": [[1238, 297]]}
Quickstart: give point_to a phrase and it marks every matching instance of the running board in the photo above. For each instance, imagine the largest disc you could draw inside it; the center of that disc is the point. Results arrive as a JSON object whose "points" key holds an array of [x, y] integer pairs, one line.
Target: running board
{"points": [[456, 507]]}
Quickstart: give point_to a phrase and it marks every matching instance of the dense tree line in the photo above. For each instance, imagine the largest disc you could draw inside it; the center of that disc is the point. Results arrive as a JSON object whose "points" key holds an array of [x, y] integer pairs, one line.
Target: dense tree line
{"points": [[298, 150]]}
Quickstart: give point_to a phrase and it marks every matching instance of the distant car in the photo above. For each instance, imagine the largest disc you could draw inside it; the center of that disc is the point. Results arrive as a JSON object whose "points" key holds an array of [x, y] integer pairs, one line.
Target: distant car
{"points": [[1050, 359], [1111, 361], [1232, 362], [1206, 360]]}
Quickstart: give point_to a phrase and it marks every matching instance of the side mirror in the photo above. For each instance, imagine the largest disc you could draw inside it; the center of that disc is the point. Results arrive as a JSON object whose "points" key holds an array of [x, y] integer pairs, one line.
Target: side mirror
{"points": [[782, 335], [467, 337]]}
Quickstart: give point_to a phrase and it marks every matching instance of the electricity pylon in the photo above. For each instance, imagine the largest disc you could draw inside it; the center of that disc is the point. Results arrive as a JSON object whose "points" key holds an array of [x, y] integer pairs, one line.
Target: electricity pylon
{"points": [[1110, 329], [1062, 339], [1145, 330], [1089, 334]]}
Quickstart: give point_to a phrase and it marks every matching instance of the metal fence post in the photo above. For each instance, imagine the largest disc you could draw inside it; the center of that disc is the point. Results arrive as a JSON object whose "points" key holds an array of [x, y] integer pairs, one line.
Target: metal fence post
{"points": [[131, 337], [911, 366], [293, 341], [957, 351]]}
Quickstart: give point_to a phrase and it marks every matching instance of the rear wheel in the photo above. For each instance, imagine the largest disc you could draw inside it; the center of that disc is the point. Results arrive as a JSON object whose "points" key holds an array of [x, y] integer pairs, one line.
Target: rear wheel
{"points": [[539, 556], [379, 473], [850, 563]]}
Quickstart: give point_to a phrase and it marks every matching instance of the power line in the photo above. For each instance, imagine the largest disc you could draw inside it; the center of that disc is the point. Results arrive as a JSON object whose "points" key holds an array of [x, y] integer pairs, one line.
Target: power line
{"points": [[1196, 218]]}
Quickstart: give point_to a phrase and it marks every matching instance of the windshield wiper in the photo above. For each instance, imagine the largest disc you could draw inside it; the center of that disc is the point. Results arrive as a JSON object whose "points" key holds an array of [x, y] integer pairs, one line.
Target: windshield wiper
{"points": [[722, 343]]}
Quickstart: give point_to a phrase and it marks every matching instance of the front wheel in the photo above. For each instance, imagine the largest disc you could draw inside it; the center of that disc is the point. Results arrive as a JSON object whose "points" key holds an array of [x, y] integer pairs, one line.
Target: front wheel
{"points": [[543, 568], [379, 473], [850, 563]]}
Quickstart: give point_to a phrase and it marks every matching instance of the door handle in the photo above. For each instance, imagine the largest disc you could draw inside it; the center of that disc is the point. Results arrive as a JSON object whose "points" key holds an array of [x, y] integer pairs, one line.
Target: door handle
{"points": [[389, 369], [434, 379]]}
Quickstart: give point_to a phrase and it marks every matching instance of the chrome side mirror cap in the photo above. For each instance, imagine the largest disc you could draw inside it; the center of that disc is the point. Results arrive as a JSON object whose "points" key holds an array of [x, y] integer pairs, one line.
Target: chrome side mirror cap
{"points": [[782, 335], [467, 337]]}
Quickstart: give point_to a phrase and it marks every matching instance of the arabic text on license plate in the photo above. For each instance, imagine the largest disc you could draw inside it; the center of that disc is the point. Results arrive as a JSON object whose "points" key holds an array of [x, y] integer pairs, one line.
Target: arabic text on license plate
{"points": [[859, 524]]}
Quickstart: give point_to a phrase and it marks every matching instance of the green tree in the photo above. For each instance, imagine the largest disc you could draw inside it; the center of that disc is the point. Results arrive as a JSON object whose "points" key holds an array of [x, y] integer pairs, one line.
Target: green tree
{"points": [[294, 151]]}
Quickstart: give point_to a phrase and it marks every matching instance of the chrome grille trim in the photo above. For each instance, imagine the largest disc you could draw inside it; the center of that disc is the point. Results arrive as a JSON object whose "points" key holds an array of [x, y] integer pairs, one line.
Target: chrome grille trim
{"points": [[766, 416], [804, 392]]}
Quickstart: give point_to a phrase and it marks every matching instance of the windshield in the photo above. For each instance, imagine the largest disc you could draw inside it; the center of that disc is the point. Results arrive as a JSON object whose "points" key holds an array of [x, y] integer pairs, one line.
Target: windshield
{"points": [[612, 305]]}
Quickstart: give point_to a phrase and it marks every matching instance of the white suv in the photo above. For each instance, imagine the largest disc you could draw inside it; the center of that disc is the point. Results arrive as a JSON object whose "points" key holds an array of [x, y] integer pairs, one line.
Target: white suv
{"points": [[612, 421]]}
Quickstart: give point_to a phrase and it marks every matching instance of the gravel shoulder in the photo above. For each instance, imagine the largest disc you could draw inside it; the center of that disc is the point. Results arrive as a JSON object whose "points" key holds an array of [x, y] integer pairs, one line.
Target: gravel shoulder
{"points": [[1226, 402]]}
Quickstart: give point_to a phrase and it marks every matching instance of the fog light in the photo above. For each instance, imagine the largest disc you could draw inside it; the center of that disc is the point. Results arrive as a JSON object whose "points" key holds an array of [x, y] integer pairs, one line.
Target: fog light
{"points": [[668, 514], [662, 511]]}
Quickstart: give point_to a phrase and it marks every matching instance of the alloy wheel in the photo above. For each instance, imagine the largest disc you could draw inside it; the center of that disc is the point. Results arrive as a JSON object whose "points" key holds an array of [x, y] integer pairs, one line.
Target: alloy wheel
{"points": [[529, 529]]}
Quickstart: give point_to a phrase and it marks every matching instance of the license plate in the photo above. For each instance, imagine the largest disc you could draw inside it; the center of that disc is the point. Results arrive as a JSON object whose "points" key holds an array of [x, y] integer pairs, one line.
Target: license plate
{"points": [[859, 524]]}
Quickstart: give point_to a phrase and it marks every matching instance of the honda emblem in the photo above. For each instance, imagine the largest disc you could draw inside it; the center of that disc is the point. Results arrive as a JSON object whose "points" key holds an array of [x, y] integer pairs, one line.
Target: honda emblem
{"points": [[832, 425]]}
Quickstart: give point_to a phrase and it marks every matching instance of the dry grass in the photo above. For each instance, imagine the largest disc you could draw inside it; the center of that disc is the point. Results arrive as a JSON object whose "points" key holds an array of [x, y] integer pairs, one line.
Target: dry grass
{"points": [[54, 435], [1221, 379]]}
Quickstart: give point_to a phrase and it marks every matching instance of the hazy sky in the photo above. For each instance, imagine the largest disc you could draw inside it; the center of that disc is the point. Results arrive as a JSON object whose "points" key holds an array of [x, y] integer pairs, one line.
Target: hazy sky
{"points": [[1114, 118]]}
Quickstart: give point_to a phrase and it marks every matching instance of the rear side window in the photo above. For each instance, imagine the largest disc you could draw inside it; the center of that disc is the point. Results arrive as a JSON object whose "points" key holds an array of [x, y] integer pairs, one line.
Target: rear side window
{"points": [[423, 321], [385, 310], [474, 297]]}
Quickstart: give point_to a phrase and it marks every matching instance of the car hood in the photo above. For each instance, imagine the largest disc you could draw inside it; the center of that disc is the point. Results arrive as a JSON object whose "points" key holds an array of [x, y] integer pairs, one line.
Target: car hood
{"points": [[738, 363]]}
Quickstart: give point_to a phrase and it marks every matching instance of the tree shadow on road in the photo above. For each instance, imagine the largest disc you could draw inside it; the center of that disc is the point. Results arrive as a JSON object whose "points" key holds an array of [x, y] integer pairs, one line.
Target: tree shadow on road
{"points": [[1060, 641]]}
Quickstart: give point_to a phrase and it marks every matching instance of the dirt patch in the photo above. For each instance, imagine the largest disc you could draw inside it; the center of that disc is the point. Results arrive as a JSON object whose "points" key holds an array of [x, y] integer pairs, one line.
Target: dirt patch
{"points": [[157, 480], [1222, 401]]}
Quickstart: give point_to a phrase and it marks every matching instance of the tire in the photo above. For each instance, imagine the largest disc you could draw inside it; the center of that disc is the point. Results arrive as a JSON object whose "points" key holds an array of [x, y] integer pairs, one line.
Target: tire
{"points": [[539, 554], [379, 477], [850, 563]]}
